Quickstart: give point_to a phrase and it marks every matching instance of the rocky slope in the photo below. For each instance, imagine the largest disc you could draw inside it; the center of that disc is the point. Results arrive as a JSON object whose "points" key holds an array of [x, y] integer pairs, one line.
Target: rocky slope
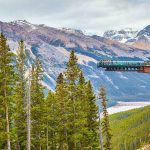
{"points": [[53, 46], [138, 39], [126, 35], [143, 39]]}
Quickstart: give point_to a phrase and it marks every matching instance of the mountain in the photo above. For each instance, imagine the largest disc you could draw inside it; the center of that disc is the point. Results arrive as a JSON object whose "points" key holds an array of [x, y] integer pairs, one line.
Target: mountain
{"points": [[53, 46], [138, 39], [126, 35], [143, 39]]}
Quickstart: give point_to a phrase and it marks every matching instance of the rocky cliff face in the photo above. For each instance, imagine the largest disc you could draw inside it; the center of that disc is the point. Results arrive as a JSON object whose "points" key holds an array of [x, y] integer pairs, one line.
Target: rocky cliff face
{"points": [[138, 39], [143, 39], [126, 35], [53, 46]]}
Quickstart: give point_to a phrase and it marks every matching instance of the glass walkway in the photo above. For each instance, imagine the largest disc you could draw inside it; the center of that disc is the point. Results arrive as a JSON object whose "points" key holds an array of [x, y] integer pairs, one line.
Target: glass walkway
{"points": [[139, 66]]}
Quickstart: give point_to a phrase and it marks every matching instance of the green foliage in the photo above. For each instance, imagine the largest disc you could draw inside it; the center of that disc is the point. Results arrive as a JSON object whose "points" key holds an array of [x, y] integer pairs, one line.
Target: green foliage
{"points": [[66, 119], [7, 82], [72, 72], [130, 128], [37, 105], [105, 121], [20, 99], [92, 115], [50, 122]]}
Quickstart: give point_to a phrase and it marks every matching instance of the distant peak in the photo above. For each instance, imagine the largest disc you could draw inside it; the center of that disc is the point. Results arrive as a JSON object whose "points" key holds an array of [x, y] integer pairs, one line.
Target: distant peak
{"points": [[24, 23], [147, 28], [122, 35], [145, 31], [71, 30], [21, 22]]}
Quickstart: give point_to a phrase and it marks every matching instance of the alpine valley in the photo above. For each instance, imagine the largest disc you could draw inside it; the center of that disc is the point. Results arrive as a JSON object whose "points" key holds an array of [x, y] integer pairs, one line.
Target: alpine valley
{"points": [[53, 46]]}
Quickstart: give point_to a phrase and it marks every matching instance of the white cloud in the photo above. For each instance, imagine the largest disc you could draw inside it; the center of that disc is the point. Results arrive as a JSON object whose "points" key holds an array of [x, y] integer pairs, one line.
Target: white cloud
{"points": [[91, 15]]}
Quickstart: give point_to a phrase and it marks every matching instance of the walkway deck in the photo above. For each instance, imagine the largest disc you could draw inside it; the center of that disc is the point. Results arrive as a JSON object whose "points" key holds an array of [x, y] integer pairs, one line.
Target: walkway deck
{"points": [[138, 66]]}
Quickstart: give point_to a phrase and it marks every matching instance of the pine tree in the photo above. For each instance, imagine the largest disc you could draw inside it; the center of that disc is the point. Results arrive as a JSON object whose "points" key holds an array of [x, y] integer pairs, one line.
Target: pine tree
{"points": [[37, 101], [50, 122], [60, 80], [6, 92], [73, 70], [20, 99], [72, 75], [105, 122], [62, 109], [81, 116], [92, 116]]}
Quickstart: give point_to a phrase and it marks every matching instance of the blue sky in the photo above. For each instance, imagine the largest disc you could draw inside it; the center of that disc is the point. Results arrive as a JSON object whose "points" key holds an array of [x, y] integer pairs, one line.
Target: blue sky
{"points": [[90, 15]]}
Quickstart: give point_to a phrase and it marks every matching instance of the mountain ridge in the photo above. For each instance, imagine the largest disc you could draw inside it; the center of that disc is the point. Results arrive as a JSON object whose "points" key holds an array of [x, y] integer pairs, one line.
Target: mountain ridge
{"points": [[138, 39], [53, 46]]}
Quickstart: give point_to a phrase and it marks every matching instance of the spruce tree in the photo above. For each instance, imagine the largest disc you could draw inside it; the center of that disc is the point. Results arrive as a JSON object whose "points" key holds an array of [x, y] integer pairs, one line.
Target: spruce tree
{"points": [[73, 70], [81, 117], [72, 75], [92, 116], [20, 99], [50, 122], [37, 101], [105, 122], [7, 73], [62, 111]]}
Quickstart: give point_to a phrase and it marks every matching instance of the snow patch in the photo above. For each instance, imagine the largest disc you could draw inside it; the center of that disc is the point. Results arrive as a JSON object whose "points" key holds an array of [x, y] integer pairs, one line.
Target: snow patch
{"points": [[124, 106], [122, 76]]}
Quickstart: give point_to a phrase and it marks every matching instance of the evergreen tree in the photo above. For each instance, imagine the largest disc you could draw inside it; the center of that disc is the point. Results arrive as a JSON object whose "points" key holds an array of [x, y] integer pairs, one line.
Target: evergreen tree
{"points": [[50, 122], [37, 101], [62, 112], [73, 70], [92, 116], [60, 80], [72, 75], [20, 99], [105, 122], [6, 92], [81, 116]]}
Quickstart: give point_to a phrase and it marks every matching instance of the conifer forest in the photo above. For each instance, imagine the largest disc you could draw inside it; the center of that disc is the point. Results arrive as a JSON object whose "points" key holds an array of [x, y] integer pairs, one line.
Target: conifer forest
{"points": [[35, 118]]}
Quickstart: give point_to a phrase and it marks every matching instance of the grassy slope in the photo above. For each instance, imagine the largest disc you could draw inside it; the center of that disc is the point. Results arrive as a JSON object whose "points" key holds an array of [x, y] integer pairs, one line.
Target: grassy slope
{"points": [[130, 129]]}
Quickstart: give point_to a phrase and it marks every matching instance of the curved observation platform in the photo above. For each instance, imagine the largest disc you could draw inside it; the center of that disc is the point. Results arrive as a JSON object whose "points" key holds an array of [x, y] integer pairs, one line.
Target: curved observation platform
{"points": [[137, 66]]}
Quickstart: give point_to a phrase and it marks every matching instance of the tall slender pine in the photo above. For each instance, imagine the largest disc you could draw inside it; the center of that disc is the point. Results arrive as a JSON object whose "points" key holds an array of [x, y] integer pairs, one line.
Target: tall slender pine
{"points": [[6, 92], [105, 122], [72, 74], [20, 99], [37, 101], [92, 116]]}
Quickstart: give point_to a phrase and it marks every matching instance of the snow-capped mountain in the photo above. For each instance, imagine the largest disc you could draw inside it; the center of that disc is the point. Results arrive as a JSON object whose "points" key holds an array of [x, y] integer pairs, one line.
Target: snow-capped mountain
{"points": [[143, 39], [53, 46], [123, 35], [145, 32], [138, 39]]}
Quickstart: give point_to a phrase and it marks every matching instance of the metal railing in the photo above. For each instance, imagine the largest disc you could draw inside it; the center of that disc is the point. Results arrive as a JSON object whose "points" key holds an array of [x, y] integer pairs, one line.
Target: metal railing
{"points": [[105, 63]]}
